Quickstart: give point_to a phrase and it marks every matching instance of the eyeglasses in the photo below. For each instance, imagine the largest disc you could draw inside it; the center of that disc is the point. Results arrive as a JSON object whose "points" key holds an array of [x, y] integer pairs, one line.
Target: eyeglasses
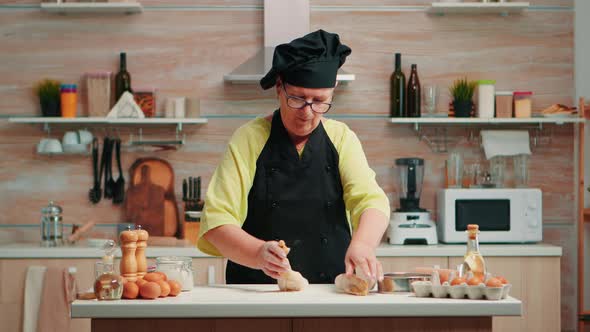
{"points": [[300, 103]]}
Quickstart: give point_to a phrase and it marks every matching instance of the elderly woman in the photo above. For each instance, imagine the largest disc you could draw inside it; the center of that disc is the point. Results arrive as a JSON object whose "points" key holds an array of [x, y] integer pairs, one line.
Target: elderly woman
{"points": [[296, 176]]}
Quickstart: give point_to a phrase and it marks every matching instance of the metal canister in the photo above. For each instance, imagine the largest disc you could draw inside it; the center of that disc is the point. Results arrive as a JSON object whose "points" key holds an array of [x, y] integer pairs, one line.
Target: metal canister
{"points": [[51, 225]]}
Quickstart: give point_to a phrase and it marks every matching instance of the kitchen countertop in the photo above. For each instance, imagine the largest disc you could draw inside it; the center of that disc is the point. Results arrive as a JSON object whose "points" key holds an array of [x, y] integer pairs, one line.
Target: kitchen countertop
{"points": [[31, 250], [262, 301]]}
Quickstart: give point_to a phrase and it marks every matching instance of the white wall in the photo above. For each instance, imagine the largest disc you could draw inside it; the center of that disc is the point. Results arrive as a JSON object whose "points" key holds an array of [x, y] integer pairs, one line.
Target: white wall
{"points": [[582, 77]]}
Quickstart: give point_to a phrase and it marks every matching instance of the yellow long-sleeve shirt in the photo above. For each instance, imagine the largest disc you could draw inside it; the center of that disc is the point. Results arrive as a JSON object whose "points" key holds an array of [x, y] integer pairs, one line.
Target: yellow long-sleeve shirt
{"points": [[226, 201]]}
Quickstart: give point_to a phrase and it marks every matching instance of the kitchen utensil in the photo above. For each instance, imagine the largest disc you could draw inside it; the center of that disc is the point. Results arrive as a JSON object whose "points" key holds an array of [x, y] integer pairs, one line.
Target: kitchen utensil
{"points": [[194, 195], [106, 161], [184, 189], [95, 193], [75, 236], [190, 194], [119, 186], [51, 226], [198, 200]]}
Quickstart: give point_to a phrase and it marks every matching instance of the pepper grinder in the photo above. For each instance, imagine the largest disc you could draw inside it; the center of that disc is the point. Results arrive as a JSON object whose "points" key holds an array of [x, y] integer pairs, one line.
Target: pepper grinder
{"points": [[142, 236], [128, 265]]}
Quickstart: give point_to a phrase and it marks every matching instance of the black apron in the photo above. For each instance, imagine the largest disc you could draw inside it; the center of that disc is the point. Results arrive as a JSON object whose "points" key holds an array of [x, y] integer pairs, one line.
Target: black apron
{"points": [[298, 200]]}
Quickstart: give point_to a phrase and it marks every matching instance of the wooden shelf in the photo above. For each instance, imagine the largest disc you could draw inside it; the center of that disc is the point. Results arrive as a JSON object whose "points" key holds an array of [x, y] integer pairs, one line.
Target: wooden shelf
{"points": [[92, 7], [448, 120], [503, 8]]}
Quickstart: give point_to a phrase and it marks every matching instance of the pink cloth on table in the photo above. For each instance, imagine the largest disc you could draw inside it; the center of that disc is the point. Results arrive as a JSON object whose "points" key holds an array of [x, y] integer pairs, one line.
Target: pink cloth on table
{"points": [[59, 291]]}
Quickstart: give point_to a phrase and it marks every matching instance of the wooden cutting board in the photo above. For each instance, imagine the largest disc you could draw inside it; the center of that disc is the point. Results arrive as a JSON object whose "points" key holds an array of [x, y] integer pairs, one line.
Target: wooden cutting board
{"points": [[150, 200]]}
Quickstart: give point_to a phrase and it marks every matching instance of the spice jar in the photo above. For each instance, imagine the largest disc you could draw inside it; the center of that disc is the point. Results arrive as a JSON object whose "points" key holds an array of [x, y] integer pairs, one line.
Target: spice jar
{"points": [[69, 100], [504, 104], [523, 102], [178, 269], [485, 98]]}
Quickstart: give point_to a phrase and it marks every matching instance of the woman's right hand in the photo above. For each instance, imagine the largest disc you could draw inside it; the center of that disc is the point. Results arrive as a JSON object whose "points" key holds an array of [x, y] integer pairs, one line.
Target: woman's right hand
{"points": [[272, 260]]}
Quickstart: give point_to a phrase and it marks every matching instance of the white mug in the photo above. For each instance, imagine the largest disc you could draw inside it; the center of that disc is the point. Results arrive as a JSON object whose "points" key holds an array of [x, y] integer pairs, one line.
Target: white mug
{"points": [[70, 138], [85, 136]]}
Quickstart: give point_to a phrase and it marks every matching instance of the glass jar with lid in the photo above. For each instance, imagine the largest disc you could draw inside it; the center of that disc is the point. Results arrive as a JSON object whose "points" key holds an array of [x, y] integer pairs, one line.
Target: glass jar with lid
{"points": [[178, 269], [51, 225]]}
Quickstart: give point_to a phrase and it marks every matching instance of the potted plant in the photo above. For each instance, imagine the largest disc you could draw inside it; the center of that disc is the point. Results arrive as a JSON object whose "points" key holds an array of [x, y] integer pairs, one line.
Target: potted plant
{"points": [[48, 92], [462, 92]]}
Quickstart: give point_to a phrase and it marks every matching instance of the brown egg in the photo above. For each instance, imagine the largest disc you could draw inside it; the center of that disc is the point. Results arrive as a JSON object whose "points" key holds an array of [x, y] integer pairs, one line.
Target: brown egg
{"points": [[175, 288], [141, 282], [150, 290], [502, 280], [164, 287], [457, 281], [474, 281], [153, 276], [164, 277], [494, 282], [130, 290]]}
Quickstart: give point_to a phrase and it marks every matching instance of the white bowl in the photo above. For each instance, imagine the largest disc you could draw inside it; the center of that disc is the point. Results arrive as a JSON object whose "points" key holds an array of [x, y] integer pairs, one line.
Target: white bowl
{"points": [[51, 145]]}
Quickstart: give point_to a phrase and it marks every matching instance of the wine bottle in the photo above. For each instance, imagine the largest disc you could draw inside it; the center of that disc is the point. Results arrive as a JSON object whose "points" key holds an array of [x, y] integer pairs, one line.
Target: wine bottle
{"points": [[413, 97], [122, 79], [398, 90]]}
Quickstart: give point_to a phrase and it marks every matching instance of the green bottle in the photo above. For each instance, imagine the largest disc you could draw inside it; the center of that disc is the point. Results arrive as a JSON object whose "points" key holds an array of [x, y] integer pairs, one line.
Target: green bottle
{"points": [[398, 90]]}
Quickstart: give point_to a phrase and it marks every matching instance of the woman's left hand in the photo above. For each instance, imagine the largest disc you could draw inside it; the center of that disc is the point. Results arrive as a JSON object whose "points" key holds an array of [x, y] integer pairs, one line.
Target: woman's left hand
{"points": [[361, 256]]}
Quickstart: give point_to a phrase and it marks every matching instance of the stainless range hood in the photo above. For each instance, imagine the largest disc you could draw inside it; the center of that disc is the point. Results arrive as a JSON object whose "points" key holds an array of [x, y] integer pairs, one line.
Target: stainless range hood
{"points": [[284, 20]]}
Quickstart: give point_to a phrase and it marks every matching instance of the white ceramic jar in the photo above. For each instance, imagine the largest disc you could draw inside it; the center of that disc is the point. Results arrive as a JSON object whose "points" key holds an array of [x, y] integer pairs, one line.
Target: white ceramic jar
{"points": [[486, 95]]}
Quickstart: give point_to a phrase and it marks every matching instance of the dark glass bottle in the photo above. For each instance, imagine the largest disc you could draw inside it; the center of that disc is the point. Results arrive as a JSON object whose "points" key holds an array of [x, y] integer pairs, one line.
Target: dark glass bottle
{"points": [[398, 90], [122, 79], [413, 97]]}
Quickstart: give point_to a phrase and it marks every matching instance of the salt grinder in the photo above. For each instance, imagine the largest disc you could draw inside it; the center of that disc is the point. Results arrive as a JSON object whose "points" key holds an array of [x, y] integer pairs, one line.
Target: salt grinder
{"points": [[128, 265], [142, 236]]}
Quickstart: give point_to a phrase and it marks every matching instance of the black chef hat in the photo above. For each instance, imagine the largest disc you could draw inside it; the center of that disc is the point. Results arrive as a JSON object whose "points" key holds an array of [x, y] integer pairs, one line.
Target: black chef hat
{"points": [[311, 61]]}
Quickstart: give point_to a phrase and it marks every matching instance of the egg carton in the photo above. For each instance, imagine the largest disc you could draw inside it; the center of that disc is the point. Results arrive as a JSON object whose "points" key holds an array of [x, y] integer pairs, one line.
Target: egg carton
{"points": [[462, 291]]}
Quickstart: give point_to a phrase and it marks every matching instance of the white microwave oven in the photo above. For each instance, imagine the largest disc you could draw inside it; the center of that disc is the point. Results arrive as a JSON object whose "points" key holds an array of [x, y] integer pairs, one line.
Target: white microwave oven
{"points": [[510, 215]]}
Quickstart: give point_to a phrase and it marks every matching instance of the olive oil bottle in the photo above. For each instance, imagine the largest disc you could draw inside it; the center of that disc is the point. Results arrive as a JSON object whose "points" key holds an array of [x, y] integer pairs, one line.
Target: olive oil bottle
{"points": [[473, 261]]}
